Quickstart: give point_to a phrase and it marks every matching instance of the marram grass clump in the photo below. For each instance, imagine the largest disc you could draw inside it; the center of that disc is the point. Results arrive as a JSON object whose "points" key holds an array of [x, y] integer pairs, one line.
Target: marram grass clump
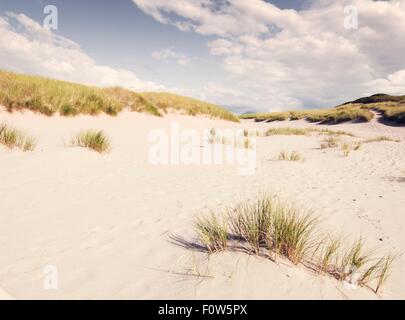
{"points": [[271, 228], [13, 138], [94, 140]]}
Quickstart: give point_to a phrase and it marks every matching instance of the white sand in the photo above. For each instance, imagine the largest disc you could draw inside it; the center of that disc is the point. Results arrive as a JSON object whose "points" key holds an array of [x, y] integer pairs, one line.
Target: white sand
{"points": [[105, 220]]}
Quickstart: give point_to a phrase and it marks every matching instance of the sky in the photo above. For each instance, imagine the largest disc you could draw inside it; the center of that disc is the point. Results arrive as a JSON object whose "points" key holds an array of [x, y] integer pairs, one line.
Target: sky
{"points": [[247, 55]]}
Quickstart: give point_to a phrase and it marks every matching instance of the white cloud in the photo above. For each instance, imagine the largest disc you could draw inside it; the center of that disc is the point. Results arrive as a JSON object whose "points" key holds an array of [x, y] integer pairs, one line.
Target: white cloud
{"points": [[33, 49], [281, 59], [168, 54], [393, 84]]}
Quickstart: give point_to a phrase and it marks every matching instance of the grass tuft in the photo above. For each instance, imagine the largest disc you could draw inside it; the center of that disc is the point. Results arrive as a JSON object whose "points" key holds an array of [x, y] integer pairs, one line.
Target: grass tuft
{"points": [[250, 222], [330, 142], [272, 228], [293, 156], [291, 234], [94, 140], [212, 232], [13, 138]]}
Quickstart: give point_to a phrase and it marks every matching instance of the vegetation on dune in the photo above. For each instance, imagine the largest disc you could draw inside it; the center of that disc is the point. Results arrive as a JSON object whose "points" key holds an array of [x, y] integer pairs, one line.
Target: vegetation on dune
{"points": [[165, 101], [380, 139], [212, 232], [305, 131], [391, 112], [94, 140], [13, 138], [360, 110], [377, 98], [271, 228], [328, 116], [48, 96]]}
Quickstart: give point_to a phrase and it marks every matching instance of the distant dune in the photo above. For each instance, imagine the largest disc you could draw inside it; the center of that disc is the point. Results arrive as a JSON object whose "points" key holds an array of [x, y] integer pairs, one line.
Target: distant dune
{"points": [[392, 109]]}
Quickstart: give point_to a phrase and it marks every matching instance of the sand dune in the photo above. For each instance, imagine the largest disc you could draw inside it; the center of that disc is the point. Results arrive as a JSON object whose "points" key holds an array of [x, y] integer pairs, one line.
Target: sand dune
{"points": [[105, 221]]}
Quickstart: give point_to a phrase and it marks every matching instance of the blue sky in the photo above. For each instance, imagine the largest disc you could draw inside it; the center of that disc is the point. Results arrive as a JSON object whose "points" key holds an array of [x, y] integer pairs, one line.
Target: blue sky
{"points": [[246, 55]]}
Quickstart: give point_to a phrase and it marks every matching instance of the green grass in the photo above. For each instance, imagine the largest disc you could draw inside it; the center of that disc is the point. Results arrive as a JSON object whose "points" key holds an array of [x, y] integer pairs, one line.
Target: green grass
{"points": [[250, 222], [93, 140], [328, 249], [291, 233], [269, 227], [212, 233], [13, 138], [48, 96]]}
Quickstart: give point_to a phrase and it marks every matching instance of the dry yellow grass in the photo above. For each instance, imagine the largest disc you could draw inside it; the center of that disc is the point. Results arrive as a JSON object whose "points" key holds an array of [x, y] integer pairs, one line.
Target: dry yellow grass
{"points": [[93, 140], [48, 96], [335, 115], [165, 101], [290, 156], [305, 131], [13, 138]]}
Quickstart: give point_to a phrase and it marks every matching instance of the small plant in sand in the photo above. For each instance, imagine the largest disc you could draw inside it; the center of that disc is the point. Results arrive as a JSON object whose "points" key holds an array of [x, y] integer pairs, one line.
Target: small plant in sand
{"points": [[243, 141], [94, 140], [330, 142], [250, 133], [327, 248], [271, 228], [213, 136], [212, 232], [384, 267], [13, 138], [353, 259], [247, 143], [290, 156], [346, 148]]}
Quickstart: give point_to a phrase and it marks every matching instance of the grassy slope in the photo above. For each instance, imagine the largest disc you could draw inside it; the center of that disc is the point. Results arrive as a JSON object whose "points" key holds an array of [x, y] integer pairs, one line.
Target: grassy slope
{"points": [[48, 96], [392, 108]]}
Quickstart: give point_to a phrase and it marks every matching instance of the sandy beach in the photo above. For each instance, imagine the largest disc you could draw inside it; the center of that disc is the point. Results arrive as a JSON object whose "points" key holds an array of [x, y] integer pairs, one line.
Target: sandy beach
{"points": [[107, 221]]}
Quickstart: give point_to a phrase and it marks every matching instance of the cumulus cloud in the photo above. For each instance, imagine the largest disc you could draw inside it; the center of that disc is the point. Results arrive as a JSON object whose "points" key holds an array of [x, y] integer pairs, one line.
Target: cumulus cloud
{"points": [[393, 84], [27, 47], [168, 54], [281, 59]]}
